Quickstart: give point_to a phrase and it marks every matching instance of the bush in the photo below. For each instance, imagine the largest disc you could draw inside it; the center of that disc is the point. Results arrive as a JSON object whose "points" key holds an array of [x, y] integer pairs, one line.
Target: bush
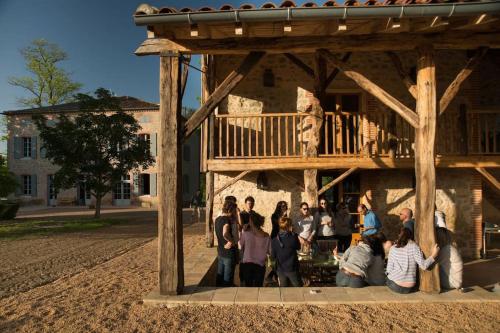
{"points": [[8, 210]]}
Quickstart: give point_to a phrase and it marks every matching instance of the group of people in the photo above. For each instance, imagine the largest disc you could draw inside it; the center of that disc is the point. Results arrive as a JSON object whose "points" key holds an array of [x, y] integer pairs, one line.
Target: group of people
{"points": [[373, 261]]}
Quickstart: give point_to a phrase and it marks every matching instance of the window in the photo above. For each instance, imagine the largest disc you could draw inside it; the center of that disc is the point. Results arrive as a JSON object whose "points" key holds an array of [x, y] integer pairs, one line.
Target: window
{"points": [[186, 153], [147, 139], [26, 147], [122, 189], [144, 181], [27, 185]]}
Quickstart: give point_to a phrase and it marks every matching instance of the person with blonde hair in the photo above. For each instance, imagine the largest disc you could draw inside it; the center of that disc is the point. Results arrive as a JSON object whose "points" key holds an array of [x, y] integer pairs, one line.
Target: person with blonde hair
{"points": [[450, 262], [284, 249]]}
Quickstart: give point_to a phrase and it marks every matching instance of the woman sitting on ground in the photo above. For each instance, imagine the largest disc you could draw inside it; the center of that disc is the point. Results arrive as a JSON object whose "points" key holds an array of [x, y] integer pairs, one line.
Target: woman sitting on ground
{"points": [[255, 245], [284, 249], [375, 275], [450, 262], [324, 221], [404, 257], [354, 264]]}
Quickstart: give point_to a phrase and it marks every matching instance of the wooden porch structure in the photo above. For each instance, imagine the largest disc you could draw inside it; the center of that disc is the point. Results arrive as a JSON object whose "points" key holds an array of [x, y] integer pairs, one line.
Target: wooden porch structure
{"points": [[232, 147]]}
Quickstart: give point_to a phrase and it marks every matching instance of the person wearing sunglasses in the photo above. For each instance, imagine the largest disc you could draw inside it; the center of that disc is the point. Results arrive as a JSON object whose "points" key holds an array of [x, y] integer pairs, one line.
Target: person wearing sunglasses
{"points": [[324, 220], [305, 226]]}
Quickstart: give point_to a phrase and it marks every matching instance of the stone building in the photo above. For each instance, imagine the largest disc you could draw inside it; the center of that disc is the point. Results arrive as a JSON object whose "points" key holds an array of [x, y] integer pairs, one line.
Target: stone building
{"points": [[26, 159], [388, 103]]}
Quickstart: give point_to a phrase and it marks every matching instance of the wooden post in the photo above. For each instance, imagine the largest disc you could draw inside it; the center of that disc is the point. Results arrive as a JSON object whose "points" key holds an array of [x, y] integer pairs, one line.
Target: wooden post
{"points": [[425, 172], [208, 85], [316, 116], [170, 252]]}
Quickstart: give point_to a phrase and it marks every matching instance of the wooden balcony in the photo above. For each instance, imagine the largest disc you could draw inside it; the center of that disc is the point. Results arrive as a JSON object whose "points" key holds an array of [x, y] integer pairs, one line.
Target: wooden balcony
{"points": [[371, 140]]}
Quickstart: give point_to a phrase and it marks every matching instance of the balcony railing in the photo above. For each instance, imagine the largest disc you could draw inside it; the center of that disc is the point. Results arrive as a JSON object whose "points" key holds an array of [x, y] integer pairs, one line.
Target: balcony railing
{"points": [[344, 134]]}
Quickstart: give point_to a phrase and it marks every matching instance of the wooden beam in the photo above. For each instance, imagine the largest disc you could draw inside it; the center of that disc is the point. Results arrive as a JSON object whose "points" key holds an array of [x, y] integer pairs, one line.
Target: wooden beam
{"points": [[337, 180], [336, 71], [185, 72], [291, 180], [460, 40], [489, 178], [403, 74], [454, 86], [221, 92], [300, 64], [383, 96], [425, 173], [170, 251], [232, 181], [325, 163]]}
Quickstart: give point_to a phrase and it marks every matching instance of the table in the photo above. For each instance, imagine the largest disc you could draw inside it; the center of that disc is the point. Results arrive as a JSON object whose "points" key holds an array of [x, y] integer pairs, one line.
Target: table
{"points": [[489, 229], [321, 267]]}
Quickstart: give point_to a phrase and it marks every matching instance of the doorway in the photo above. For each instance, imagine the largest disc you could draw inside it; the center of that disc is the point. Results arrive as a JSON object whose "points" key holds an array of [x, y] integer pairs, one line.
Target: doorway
{"points": [[51, 191], [83, 193], [121, 192]]}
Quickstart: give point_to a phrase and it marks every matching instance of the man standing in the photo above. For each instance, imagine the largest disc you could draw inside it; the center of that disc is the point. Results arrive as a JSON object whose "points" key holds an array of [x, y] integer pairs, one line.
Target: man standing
{"points": [[305, 227], [406, 217], [371, 222], [248, 211], [195, 205]]}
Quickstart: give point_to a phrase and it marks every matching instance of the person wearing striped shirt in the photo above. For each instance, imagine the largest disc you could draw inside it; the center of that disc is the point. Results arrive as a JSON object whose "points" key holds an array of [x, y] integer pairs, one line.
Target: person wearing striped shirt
{"points": [[404, 256]]}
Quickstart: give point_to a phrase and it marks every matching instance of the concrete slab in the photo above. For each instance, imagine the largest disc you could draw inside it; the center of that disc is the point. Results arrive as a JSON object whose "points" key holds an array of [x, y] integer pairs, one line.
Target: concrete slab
{"points": [[314, 296], [485, 295], [224, 296], [292, 296], [361, 296], [337, 295], [269, 296], [203, 295], [247, 295]]}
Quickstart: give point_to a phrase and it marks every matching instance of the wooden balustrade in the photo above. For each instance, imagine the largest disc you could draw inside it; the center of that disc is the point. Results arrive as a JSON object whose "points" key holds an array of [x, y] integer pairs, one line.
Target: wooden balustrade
{"points": [[345, 134]]}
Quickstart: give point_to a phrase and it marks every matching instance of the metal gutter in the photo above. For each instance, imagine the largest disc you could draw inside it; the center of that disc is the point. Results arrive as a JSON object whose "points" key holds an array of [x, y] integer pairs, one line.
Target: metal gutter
{"points": [[315, 13]]}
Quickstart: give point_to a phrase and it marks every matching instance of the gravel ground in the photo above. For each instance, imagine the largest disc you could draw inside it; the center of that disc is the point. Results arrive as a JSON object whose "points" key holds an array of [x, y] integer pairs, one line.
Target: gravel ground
{"points": [[106, 296]]}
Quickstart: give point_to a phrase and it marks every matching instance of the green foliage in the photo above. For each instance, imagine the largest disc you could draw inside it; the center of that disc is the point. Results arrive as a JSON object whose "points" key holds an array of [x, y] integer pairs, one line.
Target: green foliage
{"points": [[49, 84], [8, 182], [99, 146]]}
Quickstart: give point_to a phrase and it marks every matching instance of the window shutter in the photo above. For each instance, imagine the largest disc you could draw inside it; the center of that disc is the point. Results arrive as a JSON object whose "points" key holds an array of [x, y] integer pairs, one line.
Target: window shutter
{"points": [[33, 185], [43, 150], [20, 185], [135, 184], [152, 184], [152, 141], [33, 147], [18, 146]]}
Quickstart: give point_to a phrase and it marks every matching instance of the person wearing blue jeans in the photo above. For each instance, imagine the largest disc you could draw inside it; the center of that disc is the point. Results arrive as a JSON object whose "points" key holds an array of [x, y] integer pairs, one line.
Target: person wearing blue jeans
{"points": [[227, 250]]}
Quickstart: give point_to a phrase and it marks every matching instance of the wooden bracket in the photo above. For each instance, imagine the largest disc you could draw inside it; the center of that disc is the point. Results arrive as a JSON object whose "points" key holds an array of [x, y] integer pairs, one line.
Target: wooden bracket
{"points": [[291, 180], [300, 64], [489, 178], [232, 181], [410, 85], [337, 180]]}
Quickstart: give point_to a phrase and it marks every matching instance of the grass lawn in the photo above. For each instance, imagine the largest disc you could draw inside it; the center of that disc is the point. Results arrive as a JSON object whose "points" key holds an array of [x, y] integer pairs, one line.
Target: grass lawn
{"points": [[43, 227]]}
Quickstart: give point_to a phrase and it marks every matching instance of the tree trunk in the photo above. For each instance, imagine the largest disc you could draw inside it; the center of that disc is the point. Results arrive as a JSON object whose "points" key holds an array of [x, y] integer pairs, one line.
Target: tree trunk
{"points": [[98, 200], [425, 173]]}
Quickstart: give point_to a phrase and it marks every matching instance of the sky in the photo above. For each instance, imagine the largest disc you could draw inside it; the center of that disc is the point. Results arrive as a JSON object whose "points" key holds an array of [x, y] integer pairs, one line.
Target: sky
{"points": [[99, 37]]}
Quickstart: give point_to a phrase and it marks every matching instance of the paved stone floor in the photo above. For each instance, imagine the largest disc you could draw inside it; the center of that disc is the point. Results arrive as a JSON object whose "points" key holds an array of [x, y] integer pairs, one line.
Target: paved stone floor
{"points": [[320, 296]]}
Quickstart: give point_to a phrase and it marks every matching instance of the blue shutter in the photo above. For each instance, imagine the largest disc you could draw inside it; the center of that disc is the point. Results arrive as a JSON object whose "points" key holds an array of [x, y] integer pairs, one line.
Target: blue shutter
{"points": [[20, 185], [18, 147], [33, 185], [152, 184], [33, 147], [135, 189], [153, 140]]}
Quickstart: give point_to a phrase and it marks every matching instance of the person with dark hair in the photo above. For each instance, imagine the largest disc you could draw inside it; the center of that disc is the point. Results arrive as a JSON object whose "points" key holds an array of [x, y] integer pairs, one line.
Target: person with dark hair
{"points": [[371, 222], [450, 262], [375, 274], [404, 256], [248, 212], [255, 244], [305, 226], [227, 248], [284, 249], [280, 211], [323, 219], [354, 264], [343, 227]]}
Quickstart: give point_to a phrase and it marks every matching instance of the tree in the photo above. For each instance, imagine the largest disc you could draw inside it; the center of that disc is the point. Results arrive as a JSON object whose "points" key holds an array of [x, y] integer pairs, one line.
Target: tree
{"points": [[8, 182], [99, 146], [49, 84]]}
